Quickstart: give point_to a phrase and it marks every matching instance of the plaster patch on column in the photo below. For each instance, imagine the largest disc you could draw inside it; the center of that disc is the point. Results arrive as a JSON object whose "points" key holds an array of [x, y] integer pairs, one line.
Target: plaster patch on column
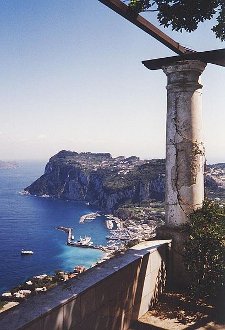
{"points": [[194, 160]]}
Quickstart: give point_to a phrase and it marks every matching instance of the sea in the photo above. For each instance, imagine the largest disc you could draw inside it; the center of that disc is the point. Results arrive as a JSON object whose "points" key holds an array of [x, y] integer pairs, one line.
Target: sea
{"points": [[29, 222]]}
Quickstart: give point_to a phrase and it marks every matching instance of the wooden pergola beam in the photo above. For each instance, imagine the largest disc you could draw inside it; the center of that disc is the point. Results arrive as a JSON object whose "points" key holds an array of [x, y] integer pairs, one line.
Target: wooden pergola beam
{"points": [[216, 56], [138, 20]]}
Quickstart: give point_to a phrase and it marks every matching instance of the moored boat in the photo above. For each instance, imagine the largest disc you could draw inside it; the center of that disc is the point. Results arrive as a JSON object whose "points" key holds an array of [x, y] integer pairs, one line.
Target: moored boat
{"points": [[83, 242], [86, 240]]}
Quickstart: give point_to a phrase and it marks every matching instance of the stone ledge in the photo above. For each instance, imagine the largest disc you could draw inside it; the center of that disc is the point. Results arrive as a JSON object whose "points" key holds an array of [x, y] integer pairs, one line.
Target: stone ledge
{"points": [[51, 305]]}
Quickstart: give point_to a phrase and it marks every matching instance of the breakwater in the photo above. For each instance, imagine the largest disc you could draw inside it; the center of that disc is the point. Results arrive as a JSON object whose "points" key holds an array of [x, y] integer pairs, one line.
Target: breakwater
{"points": [[89, 217], [83, 242]]}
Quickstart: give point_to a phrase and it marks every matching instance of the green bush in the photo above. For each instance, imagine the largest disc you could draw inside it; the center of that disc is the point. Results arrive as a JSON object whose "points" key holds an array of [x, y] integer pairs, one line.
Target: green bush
{"points": [[205, 250]]}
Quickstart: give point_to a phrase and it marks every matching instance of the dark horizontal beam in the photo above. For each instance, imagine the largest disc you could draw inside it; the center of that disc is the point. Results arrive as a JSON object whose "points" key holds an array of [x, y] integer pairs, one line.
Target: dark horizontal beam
{"points": [[212, 56], [138, 20]]}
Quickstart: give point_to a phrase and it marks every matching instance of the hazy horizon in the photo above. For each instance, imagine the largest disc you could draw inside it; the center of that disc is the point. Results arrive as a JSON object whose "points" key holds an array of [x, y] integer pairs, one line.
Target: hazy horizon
{"points": [[45, 160], [73, 79]]}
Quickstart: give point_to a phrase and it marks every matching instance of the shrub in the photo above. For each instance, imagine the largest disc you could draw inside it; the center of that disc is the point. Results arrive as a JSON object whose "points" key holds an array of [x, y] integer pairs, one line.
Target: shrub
{"points": [[2, 304], [205, 250]]}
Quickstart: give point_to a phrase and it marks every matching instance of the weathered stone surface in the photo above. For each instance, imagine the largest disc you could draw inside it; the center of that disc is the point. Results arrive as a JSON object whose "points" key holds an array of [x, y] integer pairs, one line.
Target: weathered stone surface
{"points": [[184, 147], [179, 278], [106, 297]]}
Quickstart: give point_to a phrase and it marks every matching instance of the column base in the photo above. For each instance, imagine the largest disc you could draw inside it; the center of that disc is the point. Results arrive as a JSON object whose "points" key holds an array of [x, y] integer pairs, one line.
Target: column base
{"points": [[178, 277]]}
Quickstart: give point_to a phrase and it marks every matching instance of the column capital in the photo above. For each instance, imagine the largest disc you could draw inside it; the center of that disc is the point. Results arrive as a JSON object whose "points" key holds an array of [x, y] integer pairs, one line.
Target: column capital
{"points": [[184, 75], [185, 65]]}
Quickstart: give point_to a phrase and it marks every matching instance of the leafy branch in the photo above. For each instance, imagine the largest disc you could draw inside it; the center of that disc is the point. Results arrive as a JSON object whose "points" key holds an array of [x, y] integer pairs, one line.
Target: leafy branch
{"points": [[185, 14]]}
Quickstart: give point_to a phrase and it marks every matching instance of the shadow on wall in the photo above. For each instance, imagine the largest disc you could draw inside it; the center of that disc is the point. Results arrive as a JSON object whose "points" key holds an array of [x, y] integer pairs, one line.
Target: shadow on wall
{"points": [[126, 295], [152, 280], [109, 296]]}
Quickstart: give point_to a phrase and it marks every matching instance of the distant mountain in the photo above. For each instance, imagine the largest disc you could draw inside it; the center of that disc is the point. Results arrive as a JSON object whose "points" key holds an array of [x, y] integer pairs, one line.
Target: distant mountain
{"points": [[7, 165], [215, 180], [100, 179], [108, 182]]}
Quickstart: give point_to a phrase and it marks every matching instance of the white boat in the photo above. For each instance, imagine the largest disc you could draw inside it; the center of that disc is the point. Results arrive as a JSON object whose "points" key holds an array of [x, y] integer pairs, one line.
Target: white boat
{"points": [[84, 241], [26, 252]]}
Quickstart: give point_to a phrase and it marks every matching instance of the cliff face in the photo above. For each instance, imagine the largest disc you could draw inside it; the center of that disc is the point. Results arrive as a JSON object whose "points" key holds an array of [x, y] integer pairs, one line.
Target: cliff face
{"points": [[100, 179], [108, 182]]}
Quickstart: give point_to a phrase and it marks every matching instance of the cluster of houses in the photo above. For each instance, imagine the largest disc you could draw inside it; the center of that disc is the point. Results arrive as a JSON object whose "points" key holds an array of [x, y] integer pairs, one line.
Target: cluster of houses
{"points": [[103, 161], [39, 284], [139, 226], [217, 173]]}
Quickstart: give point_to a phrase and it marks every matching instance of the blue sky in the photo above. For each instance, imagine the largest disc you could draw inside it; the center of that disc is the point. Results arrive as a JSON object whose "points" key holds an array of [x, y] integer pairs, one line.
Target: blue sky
{"points": [[72, 78]]}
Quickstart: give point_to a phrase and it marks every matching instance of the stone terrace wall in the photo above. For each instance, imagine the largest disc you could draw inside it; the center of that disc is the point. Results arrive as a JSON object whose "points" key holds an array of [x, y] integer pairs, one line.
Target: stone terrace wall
{"points": [[107, 297]]}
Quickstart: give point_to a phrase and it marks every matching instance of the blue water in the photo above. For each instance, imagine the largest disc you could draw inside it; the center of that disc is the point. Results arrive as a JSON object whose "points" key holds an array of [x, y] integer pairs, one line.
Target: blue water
{"points": [[28, 222]]}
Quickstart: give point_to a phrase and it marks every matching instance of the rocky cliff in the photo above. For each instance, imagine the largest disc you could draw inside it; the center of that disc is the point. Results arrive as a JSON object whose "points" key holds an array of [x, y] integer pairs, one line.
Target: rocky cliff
{"points": [[108, 182], [103, 181]]}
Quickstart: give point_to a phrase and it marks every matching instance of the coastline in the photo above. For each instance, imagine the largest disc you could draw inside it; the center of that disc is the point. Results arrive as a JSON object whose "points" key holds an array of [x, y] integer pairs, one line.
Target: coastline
{"points": [[29, 223], [121, 235], [39, 284]]}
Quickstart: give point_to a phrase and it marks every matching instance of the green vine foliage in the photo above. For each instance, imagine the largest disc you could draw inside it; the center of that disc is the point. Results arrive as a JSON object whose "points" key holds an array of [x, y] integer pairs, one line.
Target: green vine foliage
{"points": [[185, 14], [205, 250]]}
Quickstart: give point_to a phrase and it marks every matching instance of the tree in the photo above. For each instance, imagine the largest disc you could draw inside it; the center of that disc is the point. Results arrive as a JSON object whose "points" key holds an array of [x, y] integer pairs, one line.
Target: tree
{"points": [[185, 14]]}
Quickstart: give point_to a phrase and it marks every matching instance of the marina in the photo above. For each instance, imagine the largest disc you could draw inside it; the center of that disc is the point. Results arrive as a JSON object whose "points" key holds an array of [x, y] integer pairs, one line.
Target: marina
{"points": [[84, 242], [119, 235]]}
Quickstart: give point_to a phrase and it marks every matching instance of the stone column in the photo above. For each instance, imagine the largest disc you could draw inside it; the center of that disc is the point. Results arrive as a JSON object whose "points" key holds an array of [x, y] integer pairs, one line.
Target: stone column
{"points": [[184, 147]]}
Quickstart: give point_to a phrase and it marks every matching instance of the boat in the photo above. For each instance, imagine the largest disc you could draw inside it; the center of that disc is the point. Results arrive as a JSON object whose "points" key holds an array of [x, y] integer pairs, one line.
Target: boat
{"points": [[83, 242], [86, 240], [26, 252]]}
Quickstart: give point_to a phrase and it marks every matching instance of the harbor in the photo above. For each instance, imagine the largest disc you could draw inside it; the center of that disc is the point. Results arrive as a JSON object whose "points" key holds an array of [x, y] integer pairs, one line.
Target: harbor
{"points": [[84, 242], [140, 226], [121, 233]]}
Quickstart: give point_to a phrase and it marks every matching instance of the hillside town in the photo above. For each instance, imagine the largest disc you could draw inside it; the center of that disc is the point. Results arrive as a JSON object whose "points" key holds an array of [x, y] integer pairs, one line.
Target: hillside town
{"points": [[139, 224], [95, 161], [130, 223], [38, 284], [215, 181]]}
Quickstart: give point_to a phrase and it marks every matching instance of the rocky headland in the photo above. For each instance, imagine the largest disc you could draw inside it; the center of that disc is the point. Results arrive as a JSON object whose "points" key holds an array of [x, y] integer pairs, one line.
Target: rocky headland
{"points": [[100, 179], [108, 183]]}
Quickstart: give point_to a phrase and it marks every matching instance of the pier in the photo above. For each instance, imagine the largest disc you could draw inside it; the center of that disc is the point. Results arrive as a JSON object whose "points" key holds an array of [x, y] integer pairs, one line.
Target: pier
{"points": [[71, 242], [89, 217], [69, 233]]}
